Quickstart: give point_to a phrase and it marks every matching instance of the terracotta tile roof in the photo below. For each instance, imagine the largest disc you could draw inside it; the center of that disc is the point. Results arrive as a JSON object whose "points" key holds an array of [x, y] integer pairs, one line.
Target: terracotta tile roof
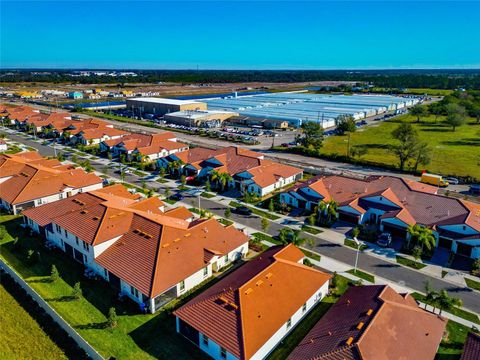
{"points": [[180, 212], [420, 202], [373, 322], [115, 190], [237, 313], [195, 155], [269, 172], [31, 177], [136, 140], [160, 255], [158, 146], [150, 205], [473, 218], [99, 133], [471, 349]]}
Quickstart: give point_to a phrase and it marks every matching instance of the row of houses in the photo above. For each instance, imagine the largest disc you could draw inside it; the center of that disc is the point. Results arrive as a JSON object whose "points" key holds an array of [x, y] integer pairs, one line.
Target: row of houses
{"points": [[393, 204], [28, 180], [249, 170], [91, 132], [150, 254], [153, 255]]}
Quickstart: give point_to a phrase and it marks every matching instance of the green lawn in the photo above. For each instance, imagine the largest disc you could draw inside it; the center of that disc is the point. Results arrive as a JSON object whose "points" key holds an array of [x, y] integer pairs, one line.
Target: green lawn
{"points": [[256, 211], [454, 153], [225, 222], [21, 336], [353, 244], [311, 255], [311, 230], [207, 195], [452, 345], [137, 336], [362, 275], [410, 263], [264, 237], [472, 284], [464, 314]]}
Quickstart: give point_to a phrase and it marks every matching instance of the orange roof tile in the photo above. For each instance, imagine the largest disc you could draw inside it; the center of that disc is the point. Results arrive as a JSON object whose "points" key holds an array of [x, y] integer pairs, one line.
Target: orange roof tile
{"points": [[237, 313]]}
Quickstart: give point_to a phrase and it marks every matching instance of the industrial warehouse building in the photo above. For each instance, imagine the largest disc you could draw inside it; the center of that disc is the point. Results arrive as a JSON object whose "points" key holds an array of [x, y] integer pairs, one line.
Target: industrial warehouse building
{"points": [[199, 118], [298, 107], [161, 106]]}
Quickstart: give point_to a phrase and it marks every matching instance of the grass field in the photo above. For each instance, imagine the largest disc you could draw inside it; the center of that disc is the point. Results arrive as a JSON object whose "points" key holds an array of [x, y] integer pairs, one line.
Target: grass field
{"points": [[21, 336], [353, 244], [453, 153]]}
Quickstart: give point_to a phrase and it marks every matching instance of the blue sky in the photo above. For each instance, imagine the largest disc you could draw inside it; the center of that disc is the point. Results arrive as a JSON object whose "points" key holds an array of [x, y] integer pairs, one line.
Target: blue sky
{"points": [[240, 35]]}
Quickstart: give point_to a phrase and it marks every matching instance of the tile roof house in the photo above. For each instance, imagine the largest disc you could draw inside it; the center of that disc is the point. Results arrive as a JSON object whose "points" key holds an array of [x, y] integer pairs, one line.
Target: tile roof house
{"points": [[148, 147], [28, 180], [395, 203], [248, 312], [373, 322], [250, 171], [17, 113], [149, 254], [471, 349], [95, 136]]}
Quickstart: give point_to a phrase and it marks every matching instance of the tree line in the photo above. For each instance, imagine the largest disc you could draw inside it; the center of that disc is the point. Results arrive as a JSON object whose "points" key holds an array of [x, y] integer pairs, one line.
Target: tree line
{"points": [[392, 79]]}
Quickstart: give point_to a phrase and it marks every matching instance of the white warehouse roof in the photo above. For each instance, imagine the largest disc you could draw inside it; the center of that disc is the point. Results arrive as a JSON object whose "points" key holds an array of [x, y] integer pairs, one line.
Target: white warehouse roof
{"points": [[164, 101]]}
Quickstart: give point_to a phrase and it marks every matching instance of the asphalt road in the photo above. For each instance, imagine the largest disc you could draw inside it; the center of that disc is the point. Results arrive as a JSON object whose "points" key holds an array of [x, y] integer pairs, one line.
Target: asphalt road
{"points": [[371, 264]]}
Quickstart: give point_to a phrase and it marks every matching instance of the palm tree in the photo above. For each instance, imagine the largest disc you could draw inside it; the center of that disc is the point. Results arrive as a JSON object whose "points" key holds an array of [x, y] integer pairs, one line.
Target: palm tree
{"points": [[431, 295], [332, 210], [446, 302], [215, 177], [422, 236], [283, 235]]}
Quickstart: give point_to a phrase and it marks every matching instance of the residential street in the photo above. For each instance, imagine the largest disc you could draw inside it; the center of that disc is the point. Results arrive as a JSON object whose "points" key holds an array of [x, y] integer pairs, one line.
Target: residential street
{"points": [[372, 264]]}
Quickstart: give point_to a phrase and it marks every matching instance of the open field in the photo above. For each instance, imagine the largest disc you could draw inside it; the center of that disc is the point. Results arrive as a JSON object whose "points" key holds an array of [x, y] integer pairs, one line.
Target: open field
{"points": [[453, 153], [21, 336]]}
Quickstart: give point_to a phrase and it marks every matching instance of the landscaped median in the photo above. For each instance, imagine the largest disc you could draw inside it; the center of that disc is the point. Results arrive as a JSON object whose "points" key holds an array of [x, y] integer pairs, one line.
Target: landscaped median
{"points": [[256, 211], [362, 275], [472, 284], [351, 243], [410, 263], [311, 230]]}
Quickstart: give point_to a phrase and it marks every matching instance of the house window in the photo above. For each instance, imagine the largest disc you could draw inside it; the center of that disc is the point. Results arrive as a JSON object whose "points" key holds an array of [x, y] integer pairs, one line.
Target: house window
{"points": [[76, 240], [289, 323], [65, 232], [58, 228], [85, 246], [105, 272], [61, 196], [133, 291], [205, 271], [226, 259], [223, 353], [304, 308], [205, 339], [182, 285]]}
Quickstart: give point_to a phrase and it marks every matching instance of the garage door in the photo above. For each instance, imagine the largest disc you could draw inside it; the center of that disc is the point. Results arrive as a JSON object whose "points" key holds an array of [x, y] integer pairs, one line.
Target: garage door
{"points": [[445, 243], [348, 218], [464, 249], [396, 232]]}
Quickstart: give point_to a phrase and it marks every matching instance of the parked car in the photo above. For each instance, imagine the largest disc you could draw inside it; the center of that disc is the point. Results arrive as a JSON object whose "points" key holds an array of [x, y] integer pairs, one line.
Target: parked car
{"points": [[384, 239], [243, 210], [176, 197], [452, 180]]}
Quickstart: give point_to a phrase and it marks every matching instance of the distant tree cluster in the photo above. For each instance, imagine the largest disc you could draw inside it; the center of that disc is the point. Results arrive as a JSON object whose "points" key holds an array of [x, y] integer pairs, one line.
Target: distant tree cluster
{"points": [[390, 79]]}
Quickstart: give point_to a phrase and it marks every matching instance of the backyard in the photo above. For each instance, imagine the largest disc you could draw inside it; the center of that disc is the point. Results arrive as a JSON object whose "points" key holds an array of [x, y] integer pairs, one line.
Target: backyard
{"points": [[453, 153]]}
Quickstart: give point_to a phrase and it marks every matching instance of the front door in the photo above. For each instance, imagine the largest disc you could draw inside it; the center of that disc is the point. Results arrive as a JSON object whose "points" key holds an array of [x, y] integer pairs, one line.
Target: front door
{"points": [[68, 250]]}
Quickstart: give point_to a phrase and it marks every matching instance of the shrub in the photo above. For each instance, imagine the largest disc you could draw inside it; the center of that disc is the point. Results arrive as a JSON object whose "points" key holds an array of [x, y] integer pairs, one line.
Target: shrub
{"points": [[307, 262], [54, 274], [77, 291], [112, 319]]}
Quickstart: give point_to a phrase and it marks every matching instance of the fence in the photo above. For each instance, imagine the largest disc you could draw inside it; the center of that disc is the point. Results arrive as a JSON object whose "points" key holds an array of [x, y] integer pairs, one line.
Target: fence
{"points": [[89, 350]]}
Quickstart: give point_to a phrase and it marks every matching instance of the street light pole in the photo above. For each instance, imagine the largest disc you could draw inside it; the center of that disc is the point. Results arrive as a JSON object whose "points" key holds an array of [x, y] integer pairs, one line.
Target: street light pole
{"points": [[358, 250]]}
